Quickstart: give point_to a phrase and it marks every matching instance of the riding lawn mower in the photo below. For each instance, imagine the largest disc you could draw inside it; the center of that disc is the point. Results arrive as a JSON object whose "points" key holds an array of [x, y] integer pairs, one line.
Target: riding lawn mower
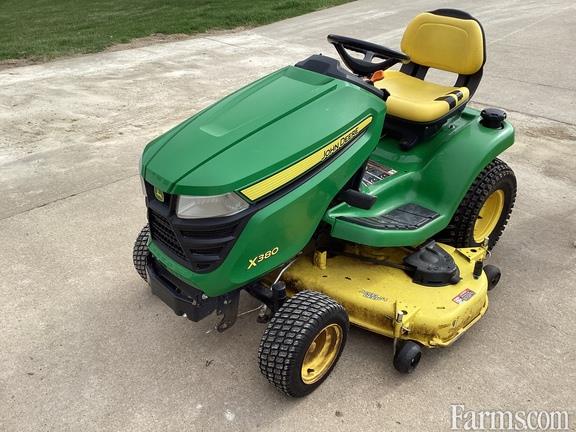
{"points": [[365, 195]]}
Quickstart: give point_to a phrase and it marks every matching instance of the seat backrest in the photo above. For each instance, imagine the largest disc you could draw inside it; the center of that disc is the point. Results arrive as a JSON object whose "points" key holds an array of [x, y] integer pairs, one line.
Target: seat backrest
{"points": [[446, 39]]}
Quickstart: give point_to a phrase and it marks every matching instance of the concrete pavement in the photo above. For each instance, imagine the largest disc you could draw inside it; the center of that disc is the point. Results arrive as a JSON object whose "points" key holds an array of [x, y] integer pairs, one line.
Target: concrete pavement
{"points": [[85, 346]]}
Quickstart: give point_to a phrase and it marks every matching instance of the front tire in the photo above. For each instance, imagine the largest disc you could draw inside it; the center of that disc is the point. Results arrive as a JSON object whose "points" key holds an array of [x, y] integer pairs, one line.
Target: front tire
{"points": [[303, 342], [485, 209], [140, 252]]}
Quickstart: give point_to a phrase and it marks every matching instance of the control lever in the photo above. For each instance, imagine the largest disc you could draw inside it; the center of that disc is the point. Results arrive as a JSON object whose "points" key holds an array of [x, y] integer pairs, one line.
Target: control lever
{"points": [[357, 199]]}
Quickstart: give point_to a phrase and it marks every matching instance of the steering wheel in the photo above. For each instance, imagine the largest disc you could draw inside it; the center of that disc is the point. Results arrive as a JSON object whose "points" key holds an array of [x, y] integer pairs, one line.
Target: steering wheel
{"points": [[365, 67]]}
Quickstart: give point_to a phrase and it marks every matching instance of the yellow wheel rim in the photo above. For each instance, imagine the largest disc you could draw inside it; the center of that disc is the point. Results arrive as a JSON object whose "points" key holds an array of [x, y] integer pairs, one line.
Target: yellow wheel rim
{"points": [[321, 353], [489, 216]]}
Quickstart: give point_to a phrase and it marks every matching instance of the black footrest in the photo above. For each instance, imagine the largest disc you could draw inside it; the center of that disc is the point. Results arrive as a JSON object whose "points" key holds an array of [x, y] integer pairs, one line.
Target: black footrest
{"points": [[406, 217]]}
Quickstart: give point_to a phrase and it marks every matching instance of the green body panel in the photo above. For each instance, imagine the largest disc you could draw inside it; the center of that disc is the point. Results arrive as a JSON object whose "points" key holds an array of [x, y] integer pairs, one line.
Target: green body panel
{"points": [[287, 224], [435, 174], [250, 135], [284, 117], [255, 132]]}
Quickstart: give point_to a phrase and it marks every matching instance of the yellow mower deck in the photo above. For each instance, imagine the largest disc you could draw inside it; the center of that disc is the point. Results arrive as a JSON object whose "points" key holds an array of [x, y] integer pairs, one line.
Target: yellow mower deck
{"points": [[384, 299]]}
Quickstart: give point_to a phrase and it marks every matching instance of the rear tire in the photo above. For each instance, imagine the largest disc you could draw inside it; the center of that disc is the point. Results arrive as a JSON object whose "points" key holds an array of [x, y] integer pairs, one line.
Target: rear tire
{"points": [[140, 252], [303, 342], [485, 209]]}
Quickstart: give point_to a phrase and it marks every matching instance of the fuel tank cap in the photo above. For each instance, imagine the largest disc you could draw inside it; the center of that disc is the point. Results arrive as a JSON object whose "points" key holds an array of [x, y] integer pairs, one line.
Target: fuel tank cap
{"points": [[493, 118]]}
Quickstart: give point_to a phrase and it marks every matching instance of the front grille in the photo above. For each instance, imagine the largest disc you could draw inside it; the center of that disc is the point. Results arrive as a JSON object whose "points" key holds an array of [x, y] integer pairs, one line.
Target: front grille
{"points": [[199, 244], [209, 243], [212, 233], [162, 232]]}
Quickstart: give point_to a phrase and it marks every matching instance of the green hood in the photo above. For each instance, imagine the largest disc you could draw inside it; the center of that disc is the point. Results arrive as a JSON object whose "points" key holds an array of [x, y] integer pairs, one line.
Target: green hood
{"points": [[255, 132]]}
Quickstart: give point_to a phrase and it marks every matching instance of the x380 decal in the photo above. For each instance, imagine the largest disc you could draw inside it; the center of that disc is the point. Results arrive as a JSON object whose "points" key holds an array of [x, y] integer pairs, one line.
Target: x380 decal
{"points": [[253, 262]]}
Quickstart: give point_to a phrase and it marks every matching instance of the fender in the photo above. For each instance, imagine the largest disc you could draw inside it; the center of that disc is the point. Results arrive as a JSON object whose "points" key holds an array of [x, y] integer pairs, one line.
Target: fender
{"points": [[436, 174]]}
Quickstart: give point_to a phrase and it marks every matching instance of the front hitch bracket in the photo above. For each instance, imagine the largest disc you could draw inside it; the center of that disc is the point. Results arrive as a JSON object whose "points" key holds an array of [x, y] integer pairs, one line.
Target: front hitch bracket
{"points": [[228, 308]]}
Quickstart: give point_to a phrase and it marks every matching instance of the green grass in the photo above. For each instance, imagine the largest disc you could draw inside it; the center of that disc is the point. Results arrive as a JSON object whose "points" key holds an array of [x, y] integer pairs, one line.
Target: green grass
{"points": [[44, 29]]}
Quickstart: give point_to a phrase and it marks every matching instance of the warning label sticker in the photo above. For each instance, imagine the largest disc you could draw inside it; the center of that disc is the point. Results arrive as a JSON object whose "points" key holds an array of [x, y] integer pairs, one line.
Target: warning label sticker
{"points": [[464, 296]]}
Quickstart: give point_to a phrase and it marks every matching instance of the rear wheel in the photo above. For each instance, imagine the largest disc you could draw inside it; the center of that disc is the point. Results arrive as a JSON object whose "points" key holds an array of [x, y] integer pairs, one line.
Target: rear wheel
{"points": [[140, 252], [485, 210], [303, 342]]}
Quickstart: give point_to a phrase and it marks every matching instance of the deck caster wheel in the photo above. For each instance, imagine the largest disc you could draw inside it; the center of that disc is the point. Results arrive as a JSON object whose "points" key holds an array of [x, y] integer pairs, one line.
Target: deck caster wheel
{"points": [[407, 357], [493, 275], [140, 252], [303, 342]]}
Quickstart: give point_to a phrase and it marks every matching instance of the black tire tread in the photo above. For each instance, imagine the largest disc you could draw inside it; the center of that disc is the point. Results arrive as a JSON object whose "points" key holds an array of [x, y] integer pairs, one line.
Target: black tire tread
{"points": [[458, 233], [301, 317], [140, 252]]}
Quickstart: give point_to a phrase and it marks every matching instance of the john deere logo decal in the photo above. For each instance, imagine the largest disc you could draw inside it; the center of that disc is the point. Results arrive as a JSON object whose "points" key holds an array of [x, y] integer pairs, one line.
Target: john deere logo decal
{"points": [[159, 194], [276, 181], [341, 142]]}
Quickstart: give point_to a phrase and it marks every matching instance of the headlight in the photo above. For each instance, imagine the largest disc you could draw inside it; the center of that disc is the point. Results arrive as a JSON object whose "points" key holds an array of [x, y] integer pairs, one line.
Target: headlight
{"points": [[141, 171], [196, 207], [143, 184]]}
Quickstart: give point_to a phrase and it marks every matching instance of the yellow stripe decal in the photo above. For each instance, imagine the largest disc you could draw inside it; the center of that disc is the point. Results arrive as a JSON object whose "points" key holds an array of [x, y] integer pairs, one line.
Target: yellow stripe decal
{"points": [[264, 187]]}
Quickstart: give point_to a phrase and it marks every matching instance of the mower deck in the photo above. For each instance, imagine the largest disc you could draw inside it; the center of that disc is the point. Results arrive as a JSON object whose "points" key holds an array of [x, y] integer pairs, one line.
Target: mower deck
{"points": [[374, 294]]}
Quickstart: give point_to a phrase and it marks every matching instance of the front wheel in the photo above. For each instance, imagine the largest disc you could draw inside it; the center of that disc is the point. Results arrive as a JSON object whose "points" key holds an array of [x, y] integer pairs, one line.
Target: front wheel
{"points": [[140, 252], [485, 209], [303, 342]]}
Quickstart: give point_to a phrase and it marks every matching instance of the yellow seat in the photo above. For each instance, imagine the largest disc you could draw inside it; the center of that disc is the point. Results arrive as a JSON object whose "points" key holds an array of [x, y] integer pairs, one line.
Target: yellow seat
{"points": [[417, 100], [444, 39]]}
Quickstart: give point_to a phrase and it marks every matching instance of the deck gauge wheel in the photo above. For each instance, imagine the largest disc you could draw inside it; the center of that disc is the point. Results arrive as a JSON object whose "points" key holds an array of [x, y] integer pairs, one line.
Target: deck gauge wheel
{"points": [[493, 274], [407, 356]]}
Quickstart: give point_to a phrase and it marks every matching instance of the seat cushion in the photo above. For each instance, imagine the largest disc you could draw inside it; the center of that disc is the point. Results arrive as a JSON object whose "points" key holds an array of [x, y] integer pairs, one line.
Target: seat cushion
{"points": [[417, 100]]}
